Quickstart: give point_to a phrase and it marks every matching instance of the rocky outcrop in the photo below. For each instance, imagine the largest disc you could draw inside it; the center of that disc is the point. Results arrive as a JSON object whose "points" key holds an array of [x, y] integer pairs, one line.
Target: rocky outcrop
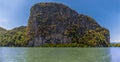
{"points": [[55, 23]]}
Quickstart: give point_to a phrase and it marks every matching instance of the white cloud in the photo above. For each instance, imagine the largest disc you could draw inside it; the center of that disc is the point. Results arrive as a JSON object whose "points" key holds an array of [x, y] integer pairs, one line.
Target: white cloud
{"points": [[117, 41], [8, 10]]}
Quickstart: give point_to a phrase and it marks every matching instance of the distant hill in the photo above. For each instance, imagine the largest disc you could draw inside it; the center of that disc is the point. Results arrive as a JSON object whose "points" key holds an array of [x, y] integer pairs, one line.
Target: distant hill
{"points": [[14, 37], [57, 25], [2, 30]]}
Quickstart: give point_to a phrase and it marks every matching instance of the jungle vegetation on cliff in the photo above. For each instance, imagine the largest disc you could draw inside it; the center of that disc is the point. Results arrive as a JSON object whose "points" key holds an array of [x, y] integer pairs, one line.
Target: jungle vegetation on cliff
{"points": [[56, 25]]}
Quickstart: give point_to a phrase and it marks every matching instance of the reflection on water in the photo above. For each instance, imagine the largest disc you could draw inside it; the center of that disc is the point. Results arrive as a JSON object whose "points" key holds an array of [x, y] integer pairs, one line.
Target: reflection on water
{"points": [[59, 55], [12, 55], [115, 54]]}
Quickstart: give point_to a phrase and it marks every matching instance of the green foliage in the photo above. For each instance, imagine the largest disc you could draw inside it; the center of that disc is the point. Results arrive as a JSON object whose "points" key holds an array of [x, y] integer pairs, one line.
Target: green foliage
{"points": [[93, 38], [115, 45], [15, 37], [66, 45], [72, 32]]}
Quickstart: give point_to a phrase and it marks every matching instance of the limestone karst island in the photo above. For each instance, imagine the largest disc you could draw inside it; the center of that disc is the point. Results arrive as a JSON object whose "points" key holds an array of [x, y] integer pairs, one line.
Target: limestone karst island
{"points": [[56, 25]]}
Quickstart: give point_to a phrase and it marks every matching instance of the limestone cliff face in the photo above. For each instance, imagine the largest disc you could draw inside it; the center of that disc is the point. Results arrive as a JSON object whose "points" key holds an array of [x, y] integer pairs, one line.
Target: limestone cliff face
{"points": [[54, 23]]}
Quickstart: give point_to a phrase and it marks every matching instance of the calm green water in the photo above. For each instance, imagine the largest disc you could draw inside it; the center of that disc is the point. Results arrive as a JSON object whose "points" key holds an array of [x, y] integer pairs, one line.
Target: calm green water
{"points": [[59, 54]]}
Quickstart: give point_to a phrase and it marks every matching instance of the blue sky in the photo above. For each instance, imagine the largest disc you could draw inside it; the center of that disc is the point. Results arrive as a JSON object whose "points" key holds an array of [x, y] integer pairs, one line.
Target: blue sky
{"points": [[15, 13]]}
